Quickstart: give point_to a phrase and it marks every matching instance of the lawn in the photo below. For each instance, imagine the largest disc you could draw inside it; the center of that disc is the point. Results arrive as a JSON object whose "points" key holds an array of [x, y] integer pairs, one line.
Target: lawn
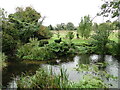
{"points": [[63, 33]]}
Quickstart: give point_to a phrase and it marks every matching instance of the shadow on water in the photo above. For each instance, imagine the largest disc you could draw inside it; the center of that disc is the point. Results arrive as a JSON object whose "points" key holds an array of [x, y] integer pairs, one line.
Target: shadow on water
{"points": [[14, 70]]}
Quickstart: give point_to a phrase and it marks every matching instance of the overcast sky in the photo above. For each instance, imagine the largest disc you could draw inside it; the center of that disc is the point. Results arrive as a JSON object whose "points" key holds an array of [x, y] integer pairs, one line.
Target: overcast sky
{"points": [[58, 11]]}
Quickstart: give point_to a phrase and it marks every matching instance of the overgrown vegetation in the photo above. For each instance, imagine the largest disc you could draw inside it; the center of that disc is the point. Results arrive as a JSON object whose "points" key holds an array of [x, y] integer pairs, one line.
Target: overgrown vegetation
{"points": [[24, 36], [48, 79], [3, 58], [20, 26]]}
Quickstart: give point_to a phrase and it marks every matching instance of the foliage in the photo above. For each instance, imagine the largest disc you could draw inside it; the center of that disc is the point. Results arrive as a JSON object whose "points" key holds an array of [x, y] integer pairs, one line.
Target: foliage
{"points": [[85, 27], [33, 51], [90, 81], [97, 74], [58, 34], [70, 35], [116, 25], [59, 27], [47, 79], [44, 79], [101, 38], [28, 15], [70, 26], [50, 27], [9, 44], [43, 42], [61, 49], [113, 48], [110, 7], [3, 58], [43, 33], [20, 26]]}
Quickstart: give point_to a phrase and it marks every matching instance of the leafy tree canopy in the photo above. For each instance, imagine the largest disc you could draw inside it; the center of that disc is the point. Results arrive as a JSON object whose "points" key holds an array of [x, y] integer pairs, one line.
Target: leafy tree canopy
{"points": [[110, 7]]}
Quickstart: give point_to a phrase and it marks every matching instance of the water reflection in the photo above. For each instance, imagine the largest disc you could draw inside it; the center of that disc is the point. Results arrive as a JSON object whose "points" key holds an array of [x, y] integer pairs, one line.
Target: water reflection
{"points": [[14, 70]]}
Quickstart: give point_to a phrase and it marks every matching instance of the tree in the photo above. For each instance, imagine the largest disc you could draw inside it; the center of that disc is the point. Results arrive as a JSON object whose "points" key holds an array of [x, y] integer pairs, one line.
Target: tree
{"points": [[20, 26], [63, 26], [50, 27], [116, 25], [85, 27], [70, 26], [110, 7], [101, 38], [59, 27], [28, 15]]}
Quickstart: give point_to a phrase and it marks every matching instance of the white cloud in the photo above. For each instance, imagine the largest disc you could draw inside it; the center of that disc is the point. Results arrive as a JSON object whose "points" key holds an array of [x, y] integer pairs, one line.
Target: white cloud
{"points": [[57, 11]]}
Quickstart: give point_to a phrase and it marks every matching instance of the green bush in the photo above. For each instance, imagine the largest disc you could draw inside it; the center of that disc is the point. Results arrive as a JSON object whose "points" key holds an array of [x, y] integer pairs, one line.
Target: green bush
{"points": [[112, 47], [70, 35], [8, 44], [3, 58], [61, 49], [43, 42], [33, 51]]}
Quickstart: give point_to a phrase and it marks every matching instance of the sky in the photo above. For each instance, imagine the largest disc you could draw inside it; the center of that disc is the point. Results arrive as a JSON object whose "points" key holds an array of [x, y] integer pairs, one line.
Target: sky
{"points": [[58, 11]]}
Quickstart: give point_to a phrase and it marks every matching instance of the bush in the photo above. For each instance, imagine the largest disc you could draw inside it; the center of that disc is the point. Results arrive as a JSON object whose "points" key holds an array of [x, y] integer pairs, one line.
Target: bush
{"points": [[61, 49], [43, 42], [3, 58], [8, 44], [112, 47], [50, 51], [70, 35], [33, 51]]}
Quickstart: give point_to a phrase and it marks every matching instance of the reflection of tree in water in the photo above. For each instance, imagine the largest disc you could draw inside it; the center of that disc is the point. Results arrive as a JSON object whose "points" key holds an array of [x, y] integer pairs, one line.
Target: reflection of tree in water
{"points": [[60, 60], [16, 69], [84, 59]]}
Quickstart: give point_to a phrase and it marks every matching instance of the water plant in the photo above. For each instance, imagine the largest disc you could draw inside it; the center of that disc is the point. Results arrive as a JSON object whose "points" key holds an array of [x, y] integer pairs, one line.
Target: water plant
{"points": [[96, 73], [45, 78]]}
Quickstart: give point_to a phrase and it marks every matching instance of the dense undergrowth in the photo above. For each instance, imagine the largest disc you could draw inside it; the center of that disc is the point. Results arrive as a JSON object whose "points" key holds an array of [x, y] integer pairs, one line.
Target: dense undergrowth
{"points": [[42, 50]]}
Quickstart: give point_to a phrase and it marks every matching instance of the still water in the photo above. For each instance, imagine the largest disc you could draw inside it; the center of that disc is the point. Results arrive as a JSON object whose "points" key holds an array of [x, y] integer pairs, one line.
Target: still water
{"points": [[14, 70]]}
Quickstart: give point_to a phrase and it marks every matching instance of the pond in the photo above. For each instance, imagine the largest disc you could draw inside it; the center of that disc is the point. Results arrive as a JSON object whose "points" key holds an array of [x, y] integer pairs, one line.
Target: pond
{"points": [[14, 70]]}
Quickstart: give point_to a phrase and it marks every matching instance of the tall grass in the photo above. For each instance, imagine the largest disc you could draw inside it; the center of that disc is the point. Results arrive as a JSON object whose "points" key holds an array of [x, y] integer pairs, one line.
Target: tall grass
{"points": [[44, 78]]}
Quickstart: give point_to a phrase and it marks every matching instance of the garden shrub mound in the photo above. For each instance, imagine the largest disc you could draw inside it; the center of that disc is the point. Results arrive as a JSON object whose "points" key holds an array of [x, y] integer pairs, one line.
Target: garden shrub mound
{"points": [[33, 51]]}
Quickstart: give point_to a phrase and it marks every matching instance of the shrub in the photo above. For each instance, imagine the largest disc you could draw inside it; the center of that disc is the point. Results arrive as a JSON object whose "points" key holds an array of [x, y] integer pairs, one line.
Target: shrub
{"points": [[43, 42], [8, 44], [70, 35], [112, 47], [3, 57], [33, 51], [61, 49]]}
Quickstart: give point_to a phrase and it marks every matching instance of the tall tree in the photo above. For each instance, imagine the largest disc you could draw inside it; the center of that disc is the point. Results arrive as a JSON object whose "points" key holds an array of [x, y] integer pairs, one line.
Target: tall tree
{"points": [[70, 26], [101, 37], [85, 27]]}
